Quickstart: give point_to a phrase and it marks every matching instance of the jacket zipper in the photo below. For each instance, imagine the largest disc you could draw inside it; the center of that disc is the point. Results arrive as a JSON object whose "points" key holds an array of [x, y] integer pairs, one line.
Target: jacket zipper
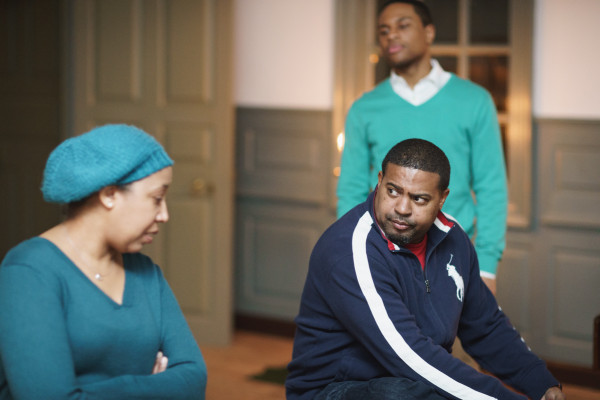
{"points": [[427, 287]]}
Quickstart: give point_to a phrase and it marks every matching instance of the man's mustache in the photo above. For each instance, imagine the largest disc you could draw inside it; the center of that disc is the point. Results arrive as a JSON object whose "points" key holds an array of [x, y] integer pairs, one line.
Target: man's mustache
{"points": [[397, 219]]}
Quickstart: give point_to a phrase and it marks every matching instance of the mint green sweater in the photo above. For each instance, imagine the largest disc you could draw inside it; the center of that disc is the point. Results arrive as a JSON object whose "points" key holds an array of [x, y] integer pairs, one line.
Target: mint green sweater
{"points": [[61, 337], [461, 120]]}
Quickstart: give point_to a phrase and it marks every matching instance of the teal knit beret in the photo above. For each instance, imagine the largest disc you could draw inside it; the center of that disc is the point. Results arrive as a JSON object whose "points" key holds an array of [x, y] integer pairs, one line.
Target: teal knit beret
{"points": [[114, 154]]}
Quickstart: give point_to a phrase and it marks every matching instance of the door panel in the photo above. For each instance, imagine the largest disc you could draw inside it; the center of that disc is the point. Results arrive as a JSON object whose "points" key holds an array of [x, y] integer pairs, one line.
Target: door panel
{"points": [[155, 64], [282, 207]]}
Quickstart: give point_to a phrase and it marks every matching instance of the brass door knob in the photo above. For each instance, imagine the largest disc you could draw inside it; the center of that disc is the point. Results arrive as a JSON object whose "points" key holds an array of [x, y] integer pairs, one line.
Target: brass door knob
{"points": [[201, 187]]}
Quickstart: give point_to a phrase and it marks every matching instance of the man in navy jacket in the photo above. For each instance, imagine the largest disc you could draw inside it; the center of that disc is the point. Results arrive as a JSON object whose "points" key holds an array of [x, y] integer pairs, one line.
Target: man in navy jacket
{"points": [[390, 286]]}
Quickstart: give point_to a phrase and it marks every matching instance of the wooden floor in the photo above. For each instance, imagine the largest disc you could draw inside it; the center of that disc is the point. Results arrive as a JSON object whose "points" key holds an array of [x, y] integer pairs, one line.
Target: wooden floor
{"points": [[230, 369]]}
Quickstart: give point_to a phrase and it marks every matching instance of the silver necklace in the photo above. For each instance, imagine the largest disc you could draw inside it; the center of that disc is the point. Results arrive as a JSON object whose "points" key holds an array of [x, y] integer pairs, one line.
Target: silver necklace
{"points": [[97, 276]]}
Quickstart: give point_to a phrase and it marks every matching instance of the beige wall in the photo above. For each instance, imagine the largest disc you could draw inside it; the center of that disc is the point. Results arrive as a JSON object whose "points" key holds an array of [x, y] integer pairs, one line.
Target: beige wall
{"points": [[284, 53], [566, 82], [301, 36]]}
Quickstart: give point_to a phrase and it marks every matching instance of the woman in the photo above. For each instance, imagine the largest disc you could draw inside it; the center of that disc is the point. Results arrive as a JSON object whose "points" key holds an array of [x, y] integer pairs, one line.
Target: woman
{"points": [[84, 315]]}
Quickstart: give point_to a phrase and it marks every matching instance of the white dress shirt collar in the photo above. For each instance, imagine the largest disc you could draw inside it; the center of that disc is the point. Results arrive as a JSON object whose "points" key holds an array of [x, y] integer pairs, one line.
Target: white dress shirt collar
{"points": [[425, 89]]}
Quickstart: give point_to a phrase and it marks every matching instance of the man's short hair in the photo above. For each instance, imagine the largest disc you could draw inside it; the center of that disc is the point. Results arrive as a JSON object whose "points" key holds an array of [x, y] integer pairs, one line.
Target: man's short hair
{"points": [[420, 8], [422, 155]]}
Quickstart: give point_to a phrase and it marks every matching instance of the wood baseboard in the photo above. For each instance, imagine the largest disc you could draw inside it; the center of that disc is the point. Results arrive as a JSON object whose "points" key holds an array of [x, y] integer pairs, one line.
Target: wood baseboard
{"points": [[575, 375], [270, 326]]}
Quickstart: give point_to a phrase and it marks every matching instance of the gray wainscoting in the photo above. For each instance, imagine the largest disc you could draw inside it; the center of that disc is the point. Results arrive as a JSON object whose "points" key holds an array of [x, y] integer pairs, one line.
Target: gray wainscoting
{"points": [[549, 279], [282, 205]]}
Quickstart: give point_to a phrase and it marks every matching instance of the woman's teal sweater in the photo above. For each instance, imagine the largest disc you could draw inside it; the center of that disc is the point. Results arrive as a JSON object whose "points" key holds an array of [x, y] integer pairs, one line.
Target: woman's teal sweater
{"points": [[61, 337]]}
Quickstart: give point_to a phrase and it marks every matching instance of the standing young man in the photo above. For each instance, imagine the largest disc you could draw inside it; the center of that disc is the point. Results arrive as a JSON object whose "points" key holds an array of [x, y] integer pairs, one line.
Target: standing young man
{"points": [[390, 286], [422, 100]]}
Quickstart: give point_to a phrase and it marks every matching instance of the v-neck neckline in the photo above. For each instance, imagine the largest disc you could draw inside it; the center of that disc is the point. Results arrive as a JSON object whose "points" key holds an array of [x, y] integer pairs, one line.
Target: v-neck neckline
{"points": [[427, 102], [88, 280]]}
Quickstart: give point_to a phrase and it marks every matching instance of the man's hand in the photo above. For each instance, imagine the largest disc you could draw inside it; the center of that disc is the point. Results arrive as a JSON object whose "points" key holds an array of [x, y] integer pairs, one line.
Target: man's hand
{"points": [[490, 283], [160, 364], [554, 393]]}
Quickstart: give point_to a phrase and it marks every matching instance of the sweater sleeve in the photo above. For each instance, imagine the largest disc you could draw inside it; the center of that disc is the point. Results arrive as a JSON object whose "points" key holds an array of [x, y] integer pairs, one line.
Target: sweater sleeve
{"points": [[36, 358], [353, 184], [490, 188], [366, 300], [489, 337]]}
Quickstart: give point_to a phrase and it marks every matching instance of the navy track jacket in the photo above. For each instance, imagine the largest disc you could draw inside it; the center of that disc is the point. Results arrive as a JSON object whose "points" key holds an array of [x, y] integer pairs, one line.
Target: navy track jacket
{"points": [[369, 310]]}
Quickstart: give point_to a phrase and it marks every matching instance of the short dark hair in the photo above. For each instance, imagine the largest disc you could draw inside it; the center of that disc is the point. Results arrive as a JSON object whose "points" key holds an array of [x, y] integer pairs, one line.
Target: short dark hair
{"points": [[422, 155], [420, 7]]}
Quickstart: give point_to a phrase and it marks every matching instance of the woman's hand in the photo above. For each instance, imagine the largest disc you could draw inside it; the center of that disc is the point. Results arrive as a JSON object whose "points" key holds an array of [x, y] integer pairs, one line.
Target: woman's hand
{"points": [[160, 364]]}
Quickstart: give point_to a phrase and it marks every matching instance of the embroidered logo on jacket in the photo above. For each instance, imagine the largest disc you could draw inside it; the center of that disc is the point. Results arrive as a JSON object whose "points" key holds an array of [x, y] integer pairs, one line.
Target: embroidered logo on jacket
{"points": [[458, 280]]}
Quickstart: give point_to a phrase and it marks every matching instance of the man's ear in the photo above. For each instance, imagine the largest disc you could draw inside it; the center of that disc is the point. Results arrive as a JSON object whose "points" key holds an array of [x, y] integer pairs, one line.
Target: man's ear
{"points": [[430, 33], [379, 178], [444, 197], [107, 196]]}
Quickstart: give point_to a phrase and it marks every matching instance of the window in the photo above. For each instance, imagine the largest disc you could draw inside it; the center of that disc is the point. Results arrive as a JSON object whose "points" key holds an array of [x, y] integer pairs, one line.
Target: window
{"points": [[486, 41]]}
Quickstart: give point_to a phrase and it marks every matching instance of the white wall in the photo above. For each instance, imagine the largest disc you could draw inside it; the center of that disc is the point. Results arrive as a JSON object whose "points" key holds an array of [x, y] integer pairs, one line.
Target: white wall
{"points": [[284, 53], [566, 75], [284, 56]]}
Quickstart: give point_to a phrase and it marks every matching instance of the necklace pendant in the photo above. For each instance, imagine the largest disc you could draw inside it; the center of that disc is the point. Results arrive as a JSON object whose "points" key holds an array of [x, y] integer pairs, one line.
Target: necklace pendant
{"points": [[98, 277]]}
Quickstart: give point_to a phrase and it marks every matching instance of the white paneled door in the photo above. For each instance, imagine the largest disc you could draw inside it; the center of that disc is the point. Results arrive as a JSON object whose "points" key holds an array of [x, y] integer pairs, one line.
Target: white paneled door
{"points": [[166, 66]]}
